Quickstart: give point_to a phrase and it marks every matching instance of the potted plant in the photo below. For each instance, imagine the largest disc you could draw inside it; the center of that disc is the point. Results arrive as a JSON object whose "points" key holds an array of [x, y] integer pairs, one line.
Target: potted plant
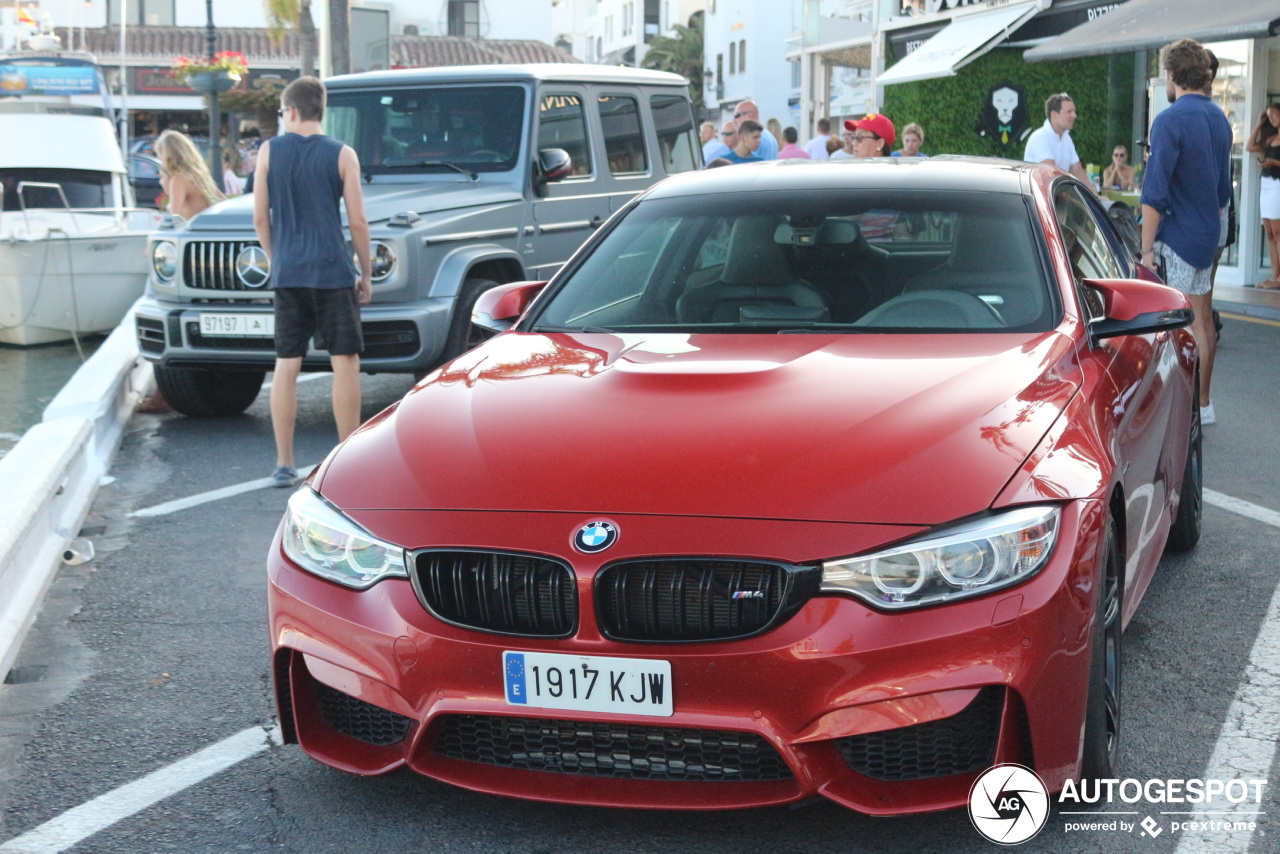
{"points": [[219, 74]]}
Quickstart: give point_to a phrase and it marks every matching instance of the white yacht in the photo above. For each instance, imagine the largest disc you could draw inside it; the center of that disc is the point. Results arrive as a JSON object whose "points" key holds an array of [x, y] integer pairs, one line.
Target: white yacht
{"points": [[72, 243]]}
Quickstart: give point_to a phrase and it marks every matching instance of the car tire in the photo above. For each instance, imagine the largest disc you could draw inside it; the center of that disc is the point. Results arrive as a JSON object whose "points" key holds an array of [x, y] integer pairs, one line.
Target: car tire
{"points": [[1185, 533], [208, 394], [463, 334], [1102, 716]]}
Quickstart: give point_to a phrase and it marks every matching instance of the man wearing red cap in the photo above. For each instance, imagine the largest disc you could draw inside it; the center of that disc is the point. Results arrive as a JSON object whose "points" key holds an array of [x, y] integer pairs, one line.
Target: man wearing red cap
{"points": [[873, 135]]}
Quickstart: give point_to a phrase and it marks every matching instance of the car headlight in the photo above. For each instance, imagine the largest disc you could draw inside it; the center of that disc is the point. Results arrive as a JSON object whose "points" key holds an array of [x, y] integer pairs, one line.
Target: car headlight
{"points": [[382, 260], [322, 541], [969, 560], [164, 260]]}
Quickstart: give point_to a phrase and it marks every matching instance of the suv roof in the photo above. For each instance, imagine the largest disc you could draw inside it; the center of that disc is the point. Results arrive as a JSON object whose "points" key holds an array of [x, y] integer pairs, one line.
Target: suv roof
{"points": [[564, 72]]}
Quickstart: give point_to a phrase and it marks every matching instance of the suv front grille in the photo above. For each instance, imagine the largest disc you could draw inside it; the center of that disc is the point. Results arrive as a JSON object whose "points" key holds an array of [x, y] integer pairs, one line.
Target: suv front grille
{"points": [[211, 265], [960, 744], [505, 593], [696, 599], [618, 749]]}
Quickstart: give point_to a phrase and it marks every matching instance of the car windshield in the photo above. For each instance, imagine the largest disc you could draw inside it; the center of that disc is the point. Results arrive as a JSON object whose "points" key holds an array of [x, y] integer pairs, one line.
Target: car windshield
{"points": [[838, 260], [428, 130]]}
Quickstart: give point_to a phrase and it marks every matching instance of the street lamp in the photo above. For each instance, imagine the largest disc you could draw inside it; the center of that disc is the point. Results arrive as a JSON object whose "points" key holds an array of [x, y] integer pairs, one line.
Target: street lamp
{"points": [[215, 116]]}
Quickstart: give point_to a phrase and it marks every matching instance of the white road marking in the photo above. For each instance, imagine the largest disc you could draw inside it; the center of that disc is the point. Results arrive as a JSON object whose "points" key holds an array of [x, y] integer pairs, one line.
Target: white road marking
{"points": [[303, 378], [1245, 749], [214, 495], [1246, 744], [79, 823]]}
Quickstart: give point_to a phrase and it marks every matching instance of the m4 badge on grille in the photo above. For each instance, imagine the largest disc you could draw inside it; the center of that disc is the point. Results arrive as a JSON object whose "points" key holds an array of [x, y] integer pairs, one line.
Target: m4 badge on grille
{"points": [[748, 594], [595, 537]]}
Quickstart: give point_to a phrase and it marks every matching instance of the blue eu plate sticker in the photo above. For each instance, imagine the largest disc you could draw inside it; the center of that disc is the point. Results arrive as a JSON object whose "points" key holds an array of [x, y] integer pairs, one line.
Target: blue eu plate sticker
{"points": [[514, 668]]}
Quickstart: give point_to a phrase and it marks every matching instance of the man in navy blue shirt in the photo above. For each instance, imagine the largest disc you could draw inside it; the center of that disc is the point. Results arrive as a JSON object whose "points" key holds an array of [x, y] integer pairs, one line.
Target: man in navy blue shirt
{"points": [[1186, 185]]}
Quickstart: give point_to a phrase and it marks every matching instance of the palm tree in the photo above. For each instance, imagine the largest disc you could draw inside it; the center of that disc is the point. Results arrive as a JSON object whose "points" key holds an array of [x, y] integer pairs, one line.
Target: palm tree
{"points": [[294, 14], [681, 54]]}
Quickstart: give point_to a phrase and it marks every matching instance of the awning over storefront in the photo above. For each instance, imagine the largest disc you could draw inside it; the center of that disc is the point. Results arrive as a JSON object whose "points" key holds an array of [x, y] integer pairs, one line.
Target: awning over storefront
{"points": [[1142, 24], [963, 40]]}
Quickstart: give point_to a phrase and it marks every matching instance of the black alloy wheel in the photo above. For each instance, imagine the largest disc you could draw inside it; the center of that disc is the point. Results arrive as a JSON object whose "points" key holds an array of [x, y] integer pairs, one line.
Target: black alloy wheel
{"points": [[1100, 756], [1185, 532], [463, 334]]}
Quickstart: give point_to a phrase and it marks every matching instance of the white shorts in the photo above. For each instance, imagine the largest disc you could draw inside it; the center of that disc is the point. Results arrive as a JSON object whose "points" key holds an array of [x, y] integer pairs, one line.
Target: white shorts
{"points": [[1270, 198]]}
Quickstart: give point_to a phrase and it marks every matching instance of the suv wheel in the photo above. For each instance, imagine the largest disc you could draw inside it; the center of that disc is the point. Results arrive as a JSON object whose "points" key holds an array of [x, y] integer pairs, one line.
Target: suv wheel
{"points": [[208, 394], [463, 334]]}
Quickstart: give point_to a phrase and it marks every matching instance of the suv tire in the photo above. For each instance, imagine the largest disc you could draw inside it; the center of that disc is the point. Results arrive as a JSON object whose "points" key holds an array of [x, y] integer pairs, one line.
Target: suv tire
{"points": [[463, 334], [208, 394]]}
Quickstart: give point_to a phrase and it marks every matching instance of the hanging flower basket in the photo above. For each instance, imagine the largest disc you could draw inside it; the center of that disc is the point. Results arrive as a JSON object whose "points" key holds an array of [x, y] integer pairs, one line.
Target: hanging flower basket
{"points": [[220, 74]]}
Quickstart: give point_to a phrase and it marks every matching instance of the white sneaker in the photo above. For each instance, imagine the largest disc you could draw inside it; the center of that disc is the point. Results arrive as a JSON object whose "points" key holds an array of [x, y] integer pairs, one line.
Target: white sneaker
{"points": [[1207, 415]]}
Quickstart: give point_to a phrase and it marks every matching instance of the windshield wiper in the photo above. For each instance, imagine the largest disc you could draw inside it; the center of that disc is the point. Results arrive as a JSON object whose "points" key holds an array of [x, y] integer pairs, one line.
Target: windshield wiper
{"points": [[427, 164]]}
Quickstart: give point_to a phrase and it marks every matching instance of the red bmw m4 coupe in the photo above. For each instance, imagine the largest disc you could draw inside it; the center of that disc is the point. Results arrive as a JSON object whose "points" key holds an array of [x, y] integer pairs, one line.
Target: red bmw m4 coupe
{"points": [[834, 478]]}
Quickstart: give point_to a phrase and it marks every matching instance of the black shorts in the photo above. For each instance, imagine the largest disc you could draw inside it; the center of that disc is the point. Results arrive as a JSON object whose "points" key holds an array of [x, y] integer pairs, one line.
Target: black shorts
{"points": [[332, 315]]}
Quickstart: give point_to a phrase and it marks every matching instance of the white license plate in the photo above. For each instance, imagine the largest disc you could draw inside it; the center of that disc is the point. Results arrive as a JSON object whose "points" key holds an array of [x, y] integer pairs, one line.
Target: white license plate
{"points": [[237, 325], [588, 683]]}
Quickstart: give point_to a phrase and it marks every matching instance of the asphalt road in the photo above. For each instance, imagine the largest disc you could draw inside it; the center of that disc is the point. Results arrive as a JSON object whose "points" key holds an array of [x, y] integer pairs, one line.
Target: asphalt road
{"points": [[158, 649]]}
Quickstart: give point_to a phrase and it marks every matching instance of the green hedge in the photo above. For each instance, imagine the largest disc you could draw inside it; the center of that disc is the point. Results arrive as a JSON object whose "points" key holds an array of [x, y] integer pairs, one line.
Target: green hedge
{"points": [[948, 108]]}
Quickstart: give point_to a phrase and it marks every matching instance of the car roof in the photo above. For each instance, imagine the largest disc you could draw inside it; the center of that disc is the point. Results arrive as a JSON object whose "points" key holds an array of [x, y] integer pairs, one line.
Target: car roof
{"points": [[982, 174], [562, 72]]}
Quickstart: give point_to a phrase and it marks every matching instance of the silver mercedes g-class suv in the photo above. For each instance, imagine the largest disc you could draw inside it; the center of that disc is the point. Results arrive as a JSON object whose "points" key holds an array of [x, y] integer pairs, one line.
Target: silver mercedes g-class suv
{"points": [[473, 177]]}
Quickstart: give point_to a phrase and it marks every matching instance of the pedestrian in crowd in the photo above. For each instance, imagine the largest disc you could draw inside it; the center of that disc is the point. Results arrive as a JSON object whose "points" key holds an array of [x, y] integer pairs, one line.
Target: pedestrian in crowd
{"points": [[774, 127], [718, 162], [251, 163], [817, 147], [318, 291], [1227, 216], [184, 177], [873, 135], [845, 151], [837, 144], [1051, 142], [912, 139], [1119, 175], [711, 138], [768, 145], [232, 184], [1264, 142], [750, 137], [791, 150], [1187, 183], [723, 145]]}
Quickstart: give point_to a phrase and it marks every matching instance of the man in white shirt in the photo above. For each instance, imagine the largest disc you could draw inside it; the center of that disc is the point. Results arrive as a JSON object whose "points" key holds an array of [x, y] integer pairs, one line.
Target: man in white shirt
{"points": [[1051, 143], [817, 147]]}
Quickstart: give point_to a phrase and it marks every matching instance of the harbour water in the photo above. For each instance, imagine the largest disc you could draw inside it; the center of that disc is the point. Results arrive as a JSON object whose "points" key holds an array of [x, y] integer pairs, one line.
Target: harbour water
{"points": [[29, 379]]}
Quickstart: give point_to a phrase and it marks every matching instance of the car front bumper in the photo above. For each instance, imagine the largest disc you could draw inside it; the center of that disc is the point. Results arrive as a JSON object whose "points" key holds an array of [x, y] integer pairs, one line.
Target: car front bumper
{"points": [[860, 706]]}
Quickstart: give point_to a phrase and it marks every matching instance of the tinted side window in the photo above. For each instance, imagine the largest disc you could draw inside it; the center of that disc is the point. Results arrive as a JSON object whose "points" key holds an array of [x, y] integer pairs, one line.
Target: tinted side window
{"points": [[562, 123], [623, 138], [1092, 254], [677, 147]]}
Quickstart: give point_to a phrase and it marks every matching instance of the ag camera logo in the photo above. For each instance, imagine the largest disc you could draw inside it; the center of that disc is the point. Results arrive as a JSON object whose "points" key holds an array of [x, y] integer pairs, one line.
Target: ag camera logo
{"points": [[1009, 804]]}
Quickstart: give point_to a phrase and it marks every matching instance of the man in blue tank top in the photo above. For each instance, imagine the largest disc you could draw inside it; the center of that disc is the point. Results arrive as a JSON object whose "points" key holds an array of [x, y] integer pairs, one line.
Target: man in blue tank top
{"points": [[302, 176]]}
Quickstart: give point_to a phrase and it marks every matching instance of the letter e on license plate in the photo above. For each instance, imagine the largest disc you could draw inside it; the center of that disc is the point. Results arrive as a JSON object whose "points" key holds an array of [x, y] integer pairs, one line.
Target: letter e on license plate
{"points": [[588, 683]]}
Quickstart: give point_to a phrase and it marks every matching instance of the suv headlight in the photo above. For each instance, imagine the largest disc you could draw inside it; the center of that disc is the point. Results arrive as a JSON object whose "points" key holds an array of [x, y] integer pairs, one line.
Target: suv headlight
{"points": [[970, 560], [382, 260], [164, 260], [322, 541]]}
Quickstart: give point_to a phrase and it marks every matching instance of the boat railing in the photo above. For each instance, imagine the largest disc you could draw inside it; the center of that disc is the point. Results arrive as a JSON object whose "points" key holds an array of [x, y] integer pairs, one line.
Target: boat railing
{"points": [[119, 213]]}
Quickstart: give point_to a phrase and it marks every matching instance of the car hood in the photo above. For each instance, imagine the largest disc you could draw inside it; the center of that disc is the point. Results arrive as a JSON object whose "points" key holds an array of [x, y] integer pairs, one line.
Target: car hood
{"points": [[381, 202], [907, 429]]}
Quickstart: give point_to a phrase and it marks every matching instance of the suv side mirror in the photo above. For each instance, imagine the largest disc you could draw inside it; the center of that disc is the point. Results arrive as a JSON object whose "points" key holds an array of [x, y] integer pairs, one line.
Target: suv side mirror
{"points": [[1136, 307], [498, 309], [553, 164]]}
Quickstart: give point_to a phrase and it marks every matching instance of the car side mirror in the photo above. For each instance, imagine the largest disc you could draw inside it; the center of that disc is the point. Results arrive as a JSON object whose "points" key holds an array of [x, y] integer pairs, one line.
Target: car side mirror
{"points": [[553, 165], [1136, 307], [498, 309]]}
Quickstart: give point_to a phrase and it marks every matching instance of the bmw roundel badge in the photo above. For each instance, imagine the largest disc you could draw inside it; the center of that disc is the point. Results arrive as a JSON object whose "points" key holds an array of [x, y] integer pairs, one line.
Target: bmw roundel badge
{"points": [[595, 537]]}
